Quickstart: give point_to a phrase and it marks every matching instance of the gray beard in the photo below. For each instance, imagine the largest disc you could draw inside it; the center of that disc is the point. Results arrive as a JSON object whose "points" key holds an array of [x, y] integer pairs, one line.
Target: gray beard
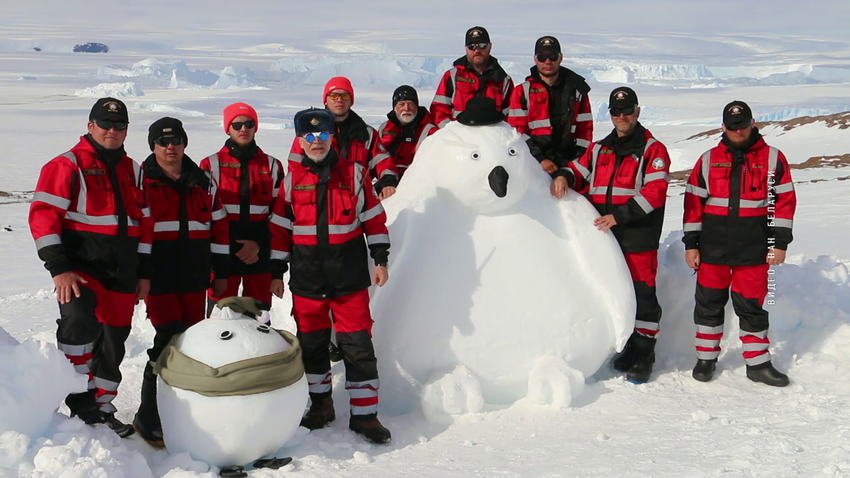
{"points": [[406, 122], [319, 159]]}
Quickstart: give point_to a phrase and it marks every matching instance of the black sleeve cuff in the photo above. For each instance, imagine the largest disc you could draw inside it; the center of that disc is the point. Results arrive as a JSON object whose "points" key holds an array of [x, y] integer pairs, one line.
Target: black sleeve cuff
{"points": [[145, 270], [691, 240], [278, 268]]}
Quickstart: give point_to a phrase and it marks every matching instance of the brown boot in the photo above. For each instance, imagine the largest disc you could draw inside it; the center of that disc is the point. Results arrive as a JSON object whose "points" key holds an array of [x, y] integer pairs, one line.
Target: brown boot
{"points": [[321, 411], [370, 428]]}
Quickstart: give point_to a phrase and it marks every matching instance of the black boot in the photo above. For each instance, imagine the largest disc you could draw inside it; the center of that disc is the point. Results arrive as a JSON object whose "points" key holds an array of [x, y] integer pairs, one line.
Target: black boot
{"points": [[704, 369], [321, 411], [765, 373], [81, 403], [626, 359], [120, 428], [147, 421], [642, 368], [639, 356], [370, 428]]}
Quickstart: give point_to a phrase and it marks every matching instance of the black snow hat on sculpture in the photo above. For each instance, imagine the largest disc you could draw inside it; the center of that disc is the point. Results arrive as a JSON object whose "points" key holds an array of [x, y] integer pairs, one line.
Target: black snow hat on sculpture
{"points": [[480, 111]]}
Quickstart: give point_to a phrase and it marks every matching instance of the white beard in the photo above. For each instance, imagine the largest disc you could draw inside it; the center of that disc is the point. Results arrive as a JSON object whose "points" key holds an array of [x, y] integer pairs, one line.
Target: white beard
{"points": [[406, 119]]}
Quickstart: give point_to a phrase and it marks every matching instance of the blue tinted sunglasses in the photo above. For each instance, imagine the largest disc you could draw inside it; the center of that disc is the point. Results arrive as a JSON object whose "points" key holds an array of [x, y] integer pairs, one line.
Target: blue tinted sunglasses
{"points": [[312, 137]]}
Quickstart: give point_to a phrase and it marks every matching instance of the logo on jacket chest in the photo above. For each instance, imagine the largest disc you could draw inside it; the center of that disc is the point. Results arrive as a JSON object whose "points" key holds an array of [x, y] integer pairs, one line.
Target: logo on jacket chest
{"points": [[721, 165], [229, 165], [304, 187], [465, 80], [94, 172]]}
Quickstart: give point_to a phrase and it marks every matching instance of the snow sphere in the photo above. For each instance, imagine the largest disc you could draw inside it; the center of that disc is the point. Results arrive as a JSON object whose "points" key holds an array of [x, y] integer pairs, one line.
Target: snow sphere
{"points": [[492, 276], [236, 429]]}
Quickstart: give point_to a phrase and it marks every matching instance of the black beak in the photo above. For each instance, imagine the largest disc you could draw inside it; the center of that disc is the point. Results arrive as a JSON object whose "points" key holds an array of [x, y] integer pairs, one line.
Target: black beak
{"points": [[499, 181]]}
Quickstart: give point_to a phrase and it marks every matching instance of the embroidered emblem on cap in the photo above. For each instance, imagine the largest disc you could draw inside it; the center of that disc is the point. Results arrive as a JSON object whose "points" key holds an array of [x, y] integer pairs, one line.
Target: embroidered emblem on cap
{"points": [[166, 130], [658, 163], [475, 33], [314, 121], [621, 95], [736, 110], [546, 42], [112, 106]]}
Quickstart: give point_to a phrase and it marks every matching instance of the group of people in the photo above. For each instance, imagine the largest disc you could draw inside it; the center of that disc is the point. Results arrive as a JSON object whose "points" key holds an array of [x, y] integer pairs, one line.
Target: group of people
{"points": [[181, 235]]}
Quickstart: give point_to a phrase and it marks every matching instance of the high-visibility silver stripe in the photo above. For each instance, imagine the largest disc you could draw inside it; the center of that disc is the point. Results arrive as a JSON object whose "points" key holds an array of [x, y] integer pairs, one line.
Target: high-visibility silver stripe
{"points": [[144, 248], [614, 191], [378, 239], [573, 129], [772, 158], [82, 369], [783, 188], [789, 223], [343, 228], [364, 410], [693, 226], [146, 212], [388, 172], [456, 113], [303, 230], [696, 190], [287, 188], [581, 169], [219, 214], [215, 168], [720, 202], [295, 157], [280, 255], [584, 117], [704, 329], [371, 213], [582, 142], [374, 383], [317, 377], [82, 195], [444, 123], [219, 248], [706, 165], [75, 350], [642, 324], [362, 393], [97, 220], [703, 355], [55, 201], [544, 123], [656, 176], [758, 359], [422, 137], [105, 384], [516, 112], [761, 334], [525, 137], [173, 226], [253, 209], [755, 346], [445, 100], [359, 190], [48, 240], [273, 167], [643, 203], [746, 203], [319, 387], [526, 86], [713, 343], [281, 221]]}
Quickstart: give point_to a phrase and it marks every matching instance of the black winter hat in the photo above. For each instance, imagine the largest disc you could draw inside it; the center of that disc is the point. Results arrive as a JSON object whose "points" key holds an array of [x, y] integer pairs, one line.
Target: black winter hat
{"points": [[477, 35], [166, 127], [622, 97], [480, 111], [547, 43], [405, 92], [737, 114], [314, 120], [109, 109]]}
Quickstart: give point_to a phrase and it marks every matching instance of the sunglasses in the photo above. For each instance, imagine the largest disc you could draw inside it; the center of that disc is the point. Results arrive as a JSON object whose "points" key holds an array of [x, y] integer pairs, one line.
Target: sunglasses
{"points": [[738, 126], [164, 141], [313, 137], [542, 57], [109, 124], [338, 96], [237, 125], [477, 46], [618, 111]]}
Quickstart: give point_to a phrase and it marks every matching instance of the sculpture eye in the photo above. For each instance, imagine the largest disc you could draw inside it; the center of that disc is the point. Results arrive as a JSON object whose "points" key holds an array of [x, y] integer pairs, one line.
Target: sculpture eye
{"points": [[475, 155], [512, 151], [264, 328], [226, 335]]}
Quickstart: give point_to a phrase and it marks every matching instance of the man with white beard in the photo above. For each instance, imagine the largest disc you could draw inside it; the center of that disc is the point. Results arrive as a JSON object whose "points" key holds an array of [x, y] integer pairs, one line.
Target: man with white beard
{"points": [[407, 125], [552, 109], [328, 206]]}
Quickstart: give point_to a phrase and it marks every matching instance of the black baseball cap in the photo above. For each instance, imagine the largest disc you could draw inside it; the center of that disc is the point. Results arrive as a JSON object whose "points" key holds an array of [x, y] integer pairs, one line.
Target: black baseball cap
{"points": [[737, 115], [477, 35], [622, 97], [547, 43], [109, 109]]}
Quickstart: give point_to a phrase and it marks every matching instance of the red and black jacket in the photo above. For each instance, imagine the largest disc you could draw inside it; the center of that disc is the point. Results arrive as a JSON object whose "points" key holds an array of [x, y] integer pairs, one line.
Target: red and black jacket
{"points": [[188, 231], [402, 141], [248, 182], [556, 121], [626, 177], [738, 202], [319, 228], [358, 142], [85, 216], [461, 83]]}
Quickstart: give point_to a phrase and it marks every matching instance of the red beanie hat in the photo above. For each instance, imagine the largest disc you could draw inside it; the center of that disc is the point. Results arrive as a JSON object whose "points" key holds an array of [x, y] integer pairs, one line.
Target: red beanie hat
{"points": [[239, 109], [338, 83]]}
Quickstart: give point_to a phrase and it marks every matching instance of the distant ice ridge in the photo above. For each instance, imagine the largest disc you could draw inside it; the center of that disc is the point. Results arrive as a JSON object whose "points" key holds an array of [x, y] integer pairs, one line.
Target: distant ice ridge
{"points": [[416, 71], [115, 90], [175, 72], [792, 113]]}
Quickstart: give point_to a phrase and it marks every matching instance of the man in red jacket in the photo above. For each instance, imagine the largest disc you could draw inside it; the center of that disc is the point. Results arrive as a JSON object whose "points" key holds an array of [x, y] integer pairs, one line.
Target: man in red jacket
{"points": [[407, 125], [739, 211], [476, 74], [187, 232], [85, 219], [625, 176], [353, 139], [248, 182], [328, 207], [552, 109]]}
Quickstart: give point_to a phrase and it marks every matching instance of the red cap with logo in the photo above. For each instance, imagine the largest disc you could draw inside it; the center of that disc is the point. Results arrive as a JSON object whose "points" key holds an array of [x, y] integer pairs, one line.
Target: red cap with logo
{"points": [[239, 109], [338, 83]]}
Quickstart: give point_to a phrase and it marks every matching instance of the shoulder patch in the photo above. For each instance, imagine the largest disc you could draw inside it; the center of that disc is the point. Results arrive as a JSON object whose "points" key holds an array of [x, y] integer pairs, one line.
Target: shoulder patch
{"points": [[658, 163]]}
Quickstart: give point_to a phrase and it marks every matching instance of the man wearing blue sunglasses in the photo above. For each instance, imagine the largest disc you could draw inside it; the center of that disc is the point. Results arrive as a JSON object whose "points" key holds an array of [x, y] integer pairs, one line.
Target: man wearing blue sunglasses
{"points": [[328, 206]]}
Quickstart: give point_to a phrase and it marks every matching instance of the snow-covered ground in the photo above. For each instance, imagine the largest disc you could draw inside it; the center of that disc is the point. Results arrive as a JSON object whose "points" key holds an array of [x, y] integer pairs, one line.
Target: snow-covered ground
{"points": [[685, 60]]}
